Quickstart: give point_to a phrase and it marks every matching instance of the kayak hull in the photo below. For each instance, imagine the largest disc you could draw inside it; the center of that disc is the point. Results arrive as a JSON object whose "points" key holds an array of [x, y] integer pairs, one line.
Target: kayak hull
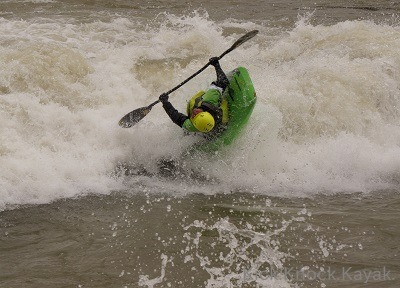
{"points": [[241, 99]]}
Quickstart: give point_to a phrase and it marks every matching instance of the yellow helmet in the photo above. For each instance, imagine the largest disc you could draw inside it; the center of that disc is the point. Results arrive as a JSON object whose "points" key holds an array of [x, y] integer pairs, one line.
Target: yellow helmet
{"points": [[204, 122]]}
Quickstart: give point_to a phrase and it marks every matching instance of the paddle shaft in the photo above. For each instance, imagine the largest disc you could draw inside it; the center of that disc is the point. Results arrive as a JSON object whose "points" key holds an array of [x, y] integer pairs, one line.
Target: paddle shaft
{"points": [[188, 79], [181, 84], [240, 41], [136, 115]]}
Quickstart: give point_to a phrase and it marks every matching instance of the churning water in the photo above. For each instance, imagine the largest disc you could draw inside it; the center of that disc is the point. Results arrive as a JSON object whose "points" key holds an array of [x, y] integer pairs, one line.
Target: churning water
{"points": [[307, 196]]}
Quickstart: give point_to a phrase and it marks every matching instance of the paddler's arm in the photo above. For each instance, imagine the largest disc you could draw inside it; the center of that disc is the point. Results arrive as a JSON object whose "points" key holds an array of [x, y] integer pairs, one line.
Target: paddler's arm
{"points": [[222, 80], [176, 117]]}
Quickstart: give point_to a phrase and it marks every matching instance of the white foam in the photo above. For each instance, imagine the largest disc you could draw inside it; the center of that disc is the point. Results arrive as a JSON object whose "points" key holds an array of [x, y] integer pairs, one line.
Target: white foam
{"points": [[327, 117]]}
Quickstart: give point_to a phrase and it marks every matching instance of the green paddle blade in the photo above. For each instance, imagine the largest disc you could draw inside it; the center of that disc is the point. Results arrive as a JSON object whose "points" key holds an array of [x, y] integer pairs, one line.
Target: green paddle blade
{"points": [[134, 117]]}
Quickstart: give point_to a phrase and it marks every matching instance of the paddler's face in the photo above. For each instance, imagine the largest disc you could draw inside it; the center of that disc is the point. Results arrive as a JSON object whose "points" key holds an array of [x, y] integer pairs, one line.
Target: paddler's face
{"points": [[196, 111]]}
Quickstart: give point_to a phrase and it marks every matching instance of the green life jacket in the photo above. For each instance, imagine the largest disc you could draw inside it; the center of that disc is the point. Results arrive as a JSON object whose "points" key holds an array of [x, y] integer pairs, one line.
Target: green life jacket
{"points": [[211, 102]]}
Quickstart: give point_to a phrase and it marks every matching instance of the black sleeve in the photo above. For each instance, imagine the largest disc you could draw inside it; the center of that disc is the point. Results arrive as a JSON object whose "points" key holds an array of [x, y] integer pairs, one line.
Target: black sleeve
{"points": [[176, 117], [222, 80]]}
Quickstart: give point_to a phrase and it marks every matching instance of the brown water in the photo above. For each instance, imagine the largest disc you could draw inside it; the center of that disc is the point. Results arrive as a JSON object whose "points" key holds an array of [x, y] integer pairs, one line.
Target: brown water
{"points": [[308, 196], [234, 240]]}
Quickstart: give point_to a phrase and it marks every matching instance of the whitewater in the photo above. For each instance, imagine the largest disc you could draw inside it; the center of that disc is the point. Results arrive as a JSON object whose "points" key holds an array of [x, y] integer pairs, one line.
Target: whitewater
{"points": [[309, 188], [327, 117]]}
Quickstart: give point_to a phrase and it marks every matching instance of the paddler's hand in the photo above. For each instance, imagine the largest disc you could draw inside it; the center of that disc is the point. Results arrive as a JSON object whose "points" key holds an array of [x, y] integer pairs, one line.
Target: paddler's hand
{"points": [[163, 98], [214, 61]]}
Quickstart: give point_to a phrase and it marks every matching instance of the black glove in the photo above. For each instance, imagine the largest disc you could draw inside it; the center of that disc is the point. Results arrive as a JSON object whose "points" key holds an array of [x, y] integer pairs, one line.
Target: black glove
{"points": [[163, 98], [214, 61]]}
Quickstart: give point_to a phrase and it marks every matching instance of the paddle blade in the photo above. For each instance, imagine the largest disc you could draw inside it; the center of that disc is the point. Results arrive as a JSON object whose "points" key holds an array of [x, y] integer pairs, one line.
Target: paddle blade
{"points": [[134, 117], [244, 38], [240, 41]]}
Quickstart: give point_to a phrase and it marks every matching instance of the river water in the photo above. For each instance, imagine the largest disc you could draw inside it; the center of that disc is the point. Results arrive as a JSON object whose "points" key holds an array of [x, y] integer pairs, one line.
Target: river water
{"points": [[307, 196]]}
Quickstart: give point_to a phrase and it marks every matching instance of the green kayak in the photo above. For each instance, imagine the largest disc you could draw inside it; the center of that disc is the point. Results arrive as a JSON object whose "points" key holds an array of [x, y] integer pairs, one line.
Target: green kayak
{"points": [[240, 98]]}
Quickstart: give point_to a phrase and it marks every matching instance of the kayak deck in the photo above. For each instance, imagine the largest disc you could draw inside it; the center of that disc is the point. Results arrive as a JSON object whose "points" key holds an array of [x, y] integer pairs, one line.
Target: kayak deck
{"points": [[241, 98]]}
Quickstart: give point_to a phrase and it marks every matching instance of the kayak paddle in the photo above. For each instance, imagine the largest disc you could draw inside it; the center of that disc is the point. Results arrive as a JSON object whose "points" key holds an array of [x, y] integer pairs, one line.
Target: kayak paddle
{"points": [[136, 115]]}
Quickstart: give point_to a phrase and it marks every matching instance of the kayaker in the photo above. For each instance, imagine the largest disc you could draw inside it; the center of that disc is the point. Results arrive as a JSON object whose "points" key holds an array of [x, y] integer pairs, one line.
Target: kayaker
{"points": [[204, 109]]}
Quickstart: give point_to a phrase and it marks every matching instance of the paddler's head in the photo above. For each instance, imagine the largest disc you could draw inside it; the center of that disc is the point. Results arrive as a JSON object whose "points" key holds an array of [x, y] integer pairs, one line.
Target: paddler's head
{"points": [[203, 121]]}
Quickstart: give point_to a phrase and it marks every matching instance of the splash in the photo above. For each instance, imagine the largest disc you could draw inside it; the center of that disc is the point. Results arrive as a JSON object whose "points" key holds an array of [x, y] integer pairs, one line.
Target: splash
{"points": [[247, 245], [144, 279], [247, 253], [326, 120]]}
